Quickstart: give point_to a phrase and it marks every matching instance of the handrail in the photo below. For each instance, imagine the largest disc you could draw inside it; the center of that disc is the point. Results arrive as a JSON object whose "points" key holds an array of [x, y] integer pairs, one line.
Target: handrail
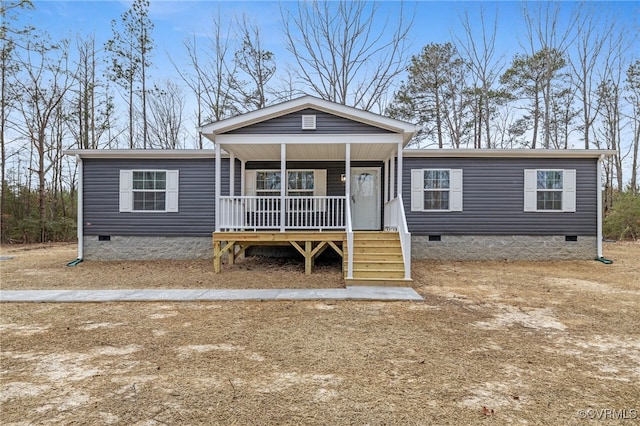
{"points": [[396, 220], [349, 229], [405, 239]]}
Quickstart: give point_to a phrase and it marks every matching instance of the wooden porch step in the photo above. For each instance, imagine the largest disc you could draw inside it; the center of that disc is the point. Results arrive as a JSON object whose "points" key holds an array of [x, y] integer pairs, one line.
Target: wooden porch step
{"points": [[378, 273], [395, 249], [382, 265], [377, 259], [386, 282]]}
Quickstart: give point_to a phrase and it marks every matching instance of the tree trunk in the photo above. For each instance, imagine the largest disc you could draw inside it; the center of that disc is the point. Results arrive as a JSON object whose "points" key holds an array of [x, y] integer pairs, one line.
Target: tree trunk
{"points": [[131, 145], [3, 158], [634, 165]]}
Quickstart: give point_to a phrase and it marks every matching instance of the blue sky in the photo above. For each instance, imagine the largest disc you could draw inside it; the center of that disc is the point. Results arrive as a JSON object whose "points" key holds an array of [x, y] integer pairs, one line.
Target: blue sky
{"points": [[175, 21]]}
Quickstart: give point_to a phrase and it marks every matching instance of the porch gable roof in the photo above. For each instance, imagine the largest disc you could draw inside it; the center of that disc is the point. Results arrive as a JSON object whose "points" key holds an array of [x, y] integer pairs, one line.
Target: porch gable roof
{"points": [[212, 130], [311, 146]]}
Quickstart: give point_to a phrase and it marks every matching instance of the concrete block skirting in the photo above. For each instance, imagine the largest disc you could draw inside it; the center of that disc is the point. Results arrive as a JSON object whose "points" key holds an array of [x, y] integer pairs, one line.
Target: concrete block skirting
{"points": [[147, 248], [511, 247]]}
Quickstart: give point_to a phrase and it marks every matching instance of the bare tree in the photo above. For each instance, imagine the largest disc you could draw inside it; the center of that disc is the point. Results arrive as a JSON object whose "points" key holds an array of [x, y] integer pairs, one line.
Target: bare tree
{"points": [[593, 30], [212, 75], [340, 53], [166, 107], [633, 97], [257, 64], [130, 50], [92, 103], [8, 68], [479, 52], [286, 87], [42, 86], [609, 100], [545, 37]]}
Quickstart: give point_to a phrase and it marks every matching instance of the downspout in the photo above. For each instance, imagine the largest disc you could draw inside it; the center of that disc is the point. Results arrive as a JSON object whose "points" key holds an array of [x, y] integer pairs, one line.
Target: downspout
{"points": [[80, 219], [80, 208], [599, 198]]}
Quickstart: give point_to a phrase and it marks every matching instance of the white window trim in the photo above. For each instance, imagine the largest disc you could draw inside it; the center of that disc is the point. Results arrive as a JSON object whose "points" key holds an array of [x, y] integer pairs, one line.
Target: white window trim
{"points": [[319, 181], [171, 191], [319, 184], [568, 190], [418, 190]]}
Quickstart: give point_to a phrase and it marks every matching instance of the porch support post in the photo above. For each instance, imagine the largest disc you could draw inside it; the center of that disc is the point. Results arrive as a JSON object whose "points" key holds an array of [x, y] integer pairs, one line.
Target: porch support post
{"points": [[242, 170], [386, 180], [283, 184], [347, 210], [399, 169], [217, 185], [392, 176], [232, 174], [347, 172]]}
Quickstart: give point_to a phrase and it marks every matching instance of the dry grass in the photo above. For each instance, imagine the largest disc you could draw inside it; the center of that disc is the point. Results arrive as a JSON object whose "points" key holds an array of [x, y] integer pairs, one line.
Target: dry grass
{"points": [[532, 342], [43, 266]]}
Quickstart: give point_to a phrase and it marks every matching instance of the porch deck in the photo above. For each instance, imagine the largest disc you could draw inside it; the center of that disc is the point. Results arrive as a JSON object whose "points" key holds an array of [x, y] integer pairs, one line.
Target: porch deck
{"points": [[310, 244]]}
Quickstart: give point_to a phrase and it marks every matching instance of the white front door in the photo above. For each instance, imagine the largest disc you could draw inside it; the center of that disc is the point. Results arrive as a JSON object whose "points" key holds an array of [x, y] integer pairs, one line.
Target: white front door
{"points": [[365, 198]]}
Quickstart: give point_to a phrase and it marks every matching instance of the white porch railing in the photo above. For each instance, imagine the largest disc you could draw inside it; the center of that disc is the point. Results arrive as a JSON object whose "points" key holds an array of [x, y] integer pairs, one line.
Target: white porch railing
{"points": [[238, 213], [396, 220]]}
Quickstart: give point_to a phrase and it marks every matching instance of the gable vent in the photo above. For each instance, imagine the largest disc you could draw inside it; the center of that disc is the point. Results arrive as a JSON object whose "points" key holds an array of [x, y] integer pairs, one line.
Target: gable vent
{"points": [[308, 122]]}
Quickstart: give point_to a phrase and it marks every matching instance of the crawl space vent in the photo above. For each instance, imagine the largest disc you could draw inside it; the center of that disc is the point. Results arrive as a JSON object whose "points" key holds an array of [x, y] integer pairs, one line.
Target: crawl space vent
{"points": [[308, 122]]}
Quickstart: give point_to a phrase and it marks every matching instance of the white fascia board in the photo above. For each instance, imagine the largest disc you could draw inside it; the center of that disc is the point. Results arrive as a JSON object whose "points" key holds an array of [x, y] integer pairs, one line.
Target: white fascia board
{"points": [[508, 153], [253, 117], [142, 153], [386, 138]]}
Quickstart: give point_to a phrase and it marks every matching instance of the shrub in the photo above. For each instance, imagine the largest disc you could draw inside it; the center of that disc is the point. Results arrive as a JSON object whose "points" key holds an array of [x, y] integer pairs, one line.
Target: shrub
{"points": [[623, 220]]}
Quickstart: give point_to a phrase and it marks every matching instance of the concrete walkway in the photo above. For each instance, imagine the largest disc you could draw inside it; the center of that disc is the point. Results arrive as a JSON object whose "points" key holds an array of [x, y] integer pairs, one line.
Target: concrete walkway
{"points": [[349, 293]]}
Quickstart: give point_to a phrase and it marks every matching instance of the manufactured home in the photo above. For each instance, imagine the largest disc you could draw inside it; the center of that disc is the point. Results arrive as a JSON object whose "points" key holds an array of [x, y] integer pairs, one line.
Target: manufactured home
{"points": [[313, 175]]}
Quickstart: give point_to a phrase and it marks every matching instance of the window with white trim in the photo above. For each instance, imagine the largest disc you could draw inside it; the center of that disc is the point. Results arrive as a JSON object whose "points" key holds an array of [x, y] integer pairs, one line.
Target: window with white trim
{"points": [[267, 183], [148, 190], [549, 190], [436, 190], [300, 183]]}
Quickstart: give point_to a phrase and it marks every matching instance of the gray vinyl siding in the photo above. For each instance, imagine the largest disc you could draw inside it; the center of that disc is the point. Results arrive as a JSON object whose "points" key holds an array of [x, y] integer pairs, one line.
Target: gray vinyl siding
{"points": [[325, 124], [196, 198], [493, 199]]}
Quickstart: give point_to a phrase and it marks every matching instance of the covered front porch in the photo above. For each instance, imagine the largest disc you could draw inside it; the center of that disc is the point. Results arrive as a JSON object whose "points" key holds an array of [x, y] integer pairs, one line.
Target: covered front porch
{"points": [[312, 187]]}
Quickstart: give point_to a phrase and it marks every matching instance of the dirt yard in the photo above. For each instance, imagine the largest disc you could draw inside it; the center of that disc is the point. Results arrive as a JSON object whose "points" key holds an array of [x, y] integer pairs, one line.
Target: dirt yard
{"points": [[493, 342]]}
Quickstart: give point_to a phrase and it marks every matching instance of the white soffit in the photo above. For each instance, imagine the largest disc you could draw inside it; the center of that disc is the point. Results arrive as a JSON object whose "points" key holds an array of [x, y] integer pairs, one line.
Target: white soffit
{"points": [[304, 152], [142, 153]]}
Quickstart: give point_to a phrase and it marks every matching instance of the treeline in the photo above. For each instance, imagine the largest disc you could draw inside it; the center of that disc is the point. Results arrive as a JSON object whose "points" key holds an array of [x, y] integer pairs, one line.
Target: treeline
{"points": [[574, 83]]}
